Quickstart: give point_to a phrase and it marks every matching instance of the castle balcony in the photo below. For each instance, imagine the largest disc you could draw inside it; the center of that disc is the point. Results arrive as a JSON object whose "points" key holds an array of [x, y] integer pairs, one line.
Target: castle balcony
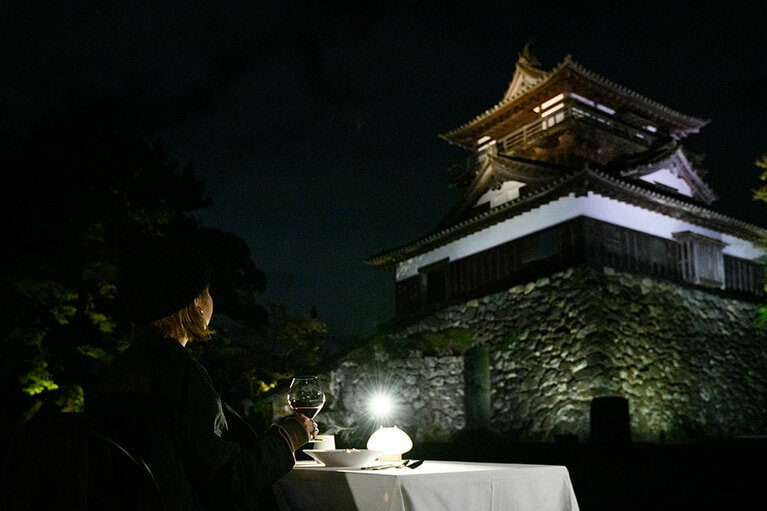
{"points": [[575, 113]]}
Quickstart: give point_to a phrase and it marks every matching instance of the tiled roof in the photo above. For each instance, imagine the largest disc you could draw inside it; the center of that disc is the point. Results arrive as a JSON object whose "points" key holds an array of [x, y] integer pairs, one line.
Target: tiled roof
{"points": [[579, 182], [691, 124]]}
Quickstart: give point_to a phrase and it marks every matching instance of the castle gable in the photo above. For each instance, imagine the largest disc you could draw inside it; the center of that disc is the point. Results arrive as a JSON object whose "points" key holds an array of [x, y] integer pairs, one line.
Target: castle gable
{"points": [[526, 74], [668, 178], [673, 173], [492, 180]]}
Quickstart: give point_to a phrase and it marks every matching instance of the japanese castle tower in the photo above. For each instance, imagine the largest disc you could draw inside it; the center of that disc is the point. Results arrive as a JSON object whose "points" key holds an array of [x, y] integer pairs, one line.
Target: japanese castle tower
{"points": [[583, 262], [570, 168]]}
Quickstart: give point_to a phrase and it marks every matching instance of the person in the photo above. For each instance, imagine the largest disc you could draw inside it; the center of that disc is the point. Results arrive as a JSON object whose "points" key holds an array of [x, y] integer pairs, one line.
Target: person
{"points": [[159, 403]]}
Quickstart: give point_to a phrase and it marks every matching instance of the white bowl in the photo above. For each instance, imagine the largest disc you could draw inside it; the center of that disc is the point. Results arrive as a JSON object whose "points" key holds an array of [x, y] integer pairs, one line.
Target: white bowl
{"points": [[344, 457]]}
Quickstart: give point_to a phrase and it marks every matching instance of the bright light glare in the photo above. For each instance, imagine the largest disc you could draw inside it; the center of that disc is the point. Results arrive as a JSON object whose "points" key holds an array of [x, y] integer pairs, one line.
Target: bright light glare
{"points": [[380, 405], [380, 400]]}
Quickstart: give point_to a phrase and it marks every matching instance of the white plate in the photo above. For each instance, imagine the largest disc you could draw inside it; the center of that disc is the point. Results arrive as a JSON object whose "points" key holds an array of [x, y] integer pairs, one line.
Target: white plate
{"points": [[344, 457]]}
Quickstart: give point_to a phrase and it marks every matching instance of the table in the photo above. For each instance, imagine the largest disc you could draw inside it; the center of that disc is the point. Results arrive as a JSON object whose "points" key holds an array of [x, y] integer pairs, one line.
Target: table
{"points": [[434, 486]]}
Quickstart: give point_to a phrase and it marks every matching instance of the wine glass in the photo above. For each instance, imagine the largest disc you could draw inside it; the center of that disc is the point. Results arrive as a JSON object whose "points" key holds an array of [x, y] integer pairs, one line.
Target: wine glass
{"points": [[305, 396]]}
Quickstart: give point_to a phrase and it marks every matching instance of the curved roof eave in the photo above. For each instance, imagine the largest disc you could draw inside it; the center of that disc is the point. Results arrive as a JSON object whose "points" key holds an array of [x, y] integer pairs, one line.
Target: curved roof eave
{"points": [[694, 124], [585, 180]]}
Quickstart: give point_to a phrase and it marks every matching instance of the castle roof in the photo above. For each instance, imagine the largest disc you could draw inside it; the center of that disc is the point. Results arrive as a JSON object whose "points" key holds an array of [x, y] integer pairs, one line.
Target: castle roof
{"points": [[570, 132], [530, 86], [579, 183]]}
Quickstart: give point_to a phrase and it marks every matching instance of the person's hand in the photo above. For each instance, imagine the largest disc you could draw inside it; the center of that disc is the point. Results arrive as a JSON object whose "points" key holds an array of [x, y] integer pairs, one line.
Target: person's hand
{"points": [[309, 425], [297, 430]]}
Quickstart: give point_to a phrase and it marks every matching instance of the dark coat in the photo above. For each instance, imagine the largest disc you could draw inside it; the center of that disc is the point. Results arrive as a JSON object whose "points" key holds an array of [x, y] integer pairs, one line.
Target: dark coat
{"points": [[160, 403]]}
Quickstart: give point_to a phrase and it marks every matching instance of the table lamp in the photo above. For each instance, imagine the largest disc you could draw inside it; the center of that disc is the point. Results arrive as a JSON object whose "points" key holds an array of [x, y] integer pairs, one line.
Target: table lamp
{"points": [[391, 440]]}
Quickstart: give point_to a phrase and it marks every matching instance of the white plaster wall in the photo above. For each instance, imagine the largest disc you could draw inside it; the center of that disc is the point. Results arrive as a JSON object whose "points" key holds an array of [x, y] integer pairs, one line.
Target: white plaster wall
{"points": [[668, 178], [567, 208]]}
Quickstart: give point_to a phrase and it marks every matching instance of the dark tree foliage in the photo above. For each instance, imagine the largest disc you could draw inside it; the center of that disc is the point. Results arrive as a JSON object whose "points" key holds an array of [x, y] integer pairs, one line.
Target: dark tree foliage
{"points": [[761, 194], [75, 189]]}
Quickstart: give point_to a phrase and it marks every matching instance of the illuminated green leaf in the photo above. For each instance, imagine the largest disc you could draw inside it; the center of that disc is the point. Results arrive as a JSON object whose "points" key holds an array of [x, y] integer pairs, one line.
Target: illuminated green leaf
{"points": [[37, 380]]}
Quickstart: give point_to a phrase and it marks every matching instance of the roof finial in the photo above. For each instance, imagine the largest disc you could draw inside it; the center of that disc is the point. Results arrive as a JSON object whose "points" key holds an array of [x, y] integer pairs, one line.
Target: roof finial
{"points": [[527, 56]]}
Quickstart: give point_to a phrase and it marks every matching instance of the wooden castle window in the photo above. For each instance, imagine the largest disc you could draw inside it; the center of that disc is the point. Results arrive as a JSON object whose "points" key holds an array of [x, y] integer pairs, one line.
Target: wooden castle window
{"points": [[539, 246], [743, 276], [434, 282], [702, 260], [688, 258]]}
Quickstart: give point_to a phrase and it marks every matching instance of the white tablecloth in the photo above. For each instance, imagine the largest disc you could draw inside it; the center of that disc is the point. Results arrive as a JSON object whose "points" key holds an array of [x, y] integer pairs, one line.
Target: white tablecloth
{"points": [[434, 486]]}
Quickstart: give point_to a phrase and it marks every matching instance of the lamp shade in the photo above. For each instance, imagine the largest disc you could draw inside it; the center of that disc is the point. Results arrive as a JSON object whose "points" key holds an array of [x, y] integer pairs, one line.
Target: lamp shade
{"points": [[391, 440]]}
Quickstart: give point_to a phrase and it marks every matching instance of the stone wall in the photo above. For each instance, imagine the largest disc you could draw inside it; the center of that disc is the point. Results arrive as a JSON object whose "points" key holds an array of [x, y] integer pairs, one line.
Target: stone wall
{"points": [[691, 364], [427, 394]]}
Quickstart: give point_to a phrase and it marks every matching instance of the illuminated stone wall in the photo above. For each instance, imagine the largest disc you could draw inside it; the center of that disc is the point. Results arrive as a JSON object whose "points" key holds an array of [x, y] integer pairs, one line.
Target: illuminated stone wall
{"points": [[690, 363], [427, 392]]}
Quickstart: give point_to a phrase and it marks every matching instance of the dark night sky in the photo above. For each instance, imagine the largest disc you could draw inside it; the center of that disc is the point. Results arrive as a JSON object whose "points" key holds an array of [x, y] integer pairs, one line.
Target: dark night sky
{"points": [[316, 128]]}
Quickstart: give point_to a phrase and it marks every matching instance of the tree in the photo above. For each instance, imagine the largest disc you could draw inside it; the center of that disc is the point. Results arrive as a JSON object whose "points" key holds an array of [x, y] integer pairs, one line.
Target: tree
{"points": [[77, 188], [761, 194]]}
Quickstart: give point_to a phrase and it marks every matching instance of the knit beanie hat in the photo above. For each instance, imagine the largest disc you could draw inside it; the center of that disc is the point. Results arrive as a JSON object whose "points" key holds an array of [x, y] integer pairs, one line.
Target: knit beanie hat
{"points": [[160, 277]]}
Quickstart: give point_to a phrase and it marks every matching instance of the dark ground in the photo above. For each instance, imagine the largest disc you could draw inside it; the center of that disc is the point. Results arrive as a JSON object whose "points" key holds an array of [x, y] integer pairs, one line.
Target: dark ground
{"points": [[726, 475]]}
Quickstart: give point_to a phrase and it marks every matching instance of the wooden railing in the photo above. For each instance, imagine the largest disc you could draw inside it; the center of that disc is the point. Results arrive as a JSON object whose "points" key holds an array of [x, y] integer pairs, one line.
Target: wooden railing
{"points": [[572, 110]]}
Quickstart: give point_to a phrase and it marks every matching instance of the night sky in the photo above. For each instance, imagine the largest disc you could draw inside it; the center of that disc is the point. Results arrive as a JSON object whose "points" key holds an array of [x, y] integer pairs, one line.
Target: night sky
{"points": [[316, 126]]}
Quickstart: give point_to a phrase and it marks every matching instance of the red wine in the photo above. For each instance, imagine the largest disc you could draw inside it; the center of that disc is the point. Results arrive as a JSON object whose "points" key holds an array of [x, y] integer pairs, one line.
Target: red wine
{"points": [[309, 411]]}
